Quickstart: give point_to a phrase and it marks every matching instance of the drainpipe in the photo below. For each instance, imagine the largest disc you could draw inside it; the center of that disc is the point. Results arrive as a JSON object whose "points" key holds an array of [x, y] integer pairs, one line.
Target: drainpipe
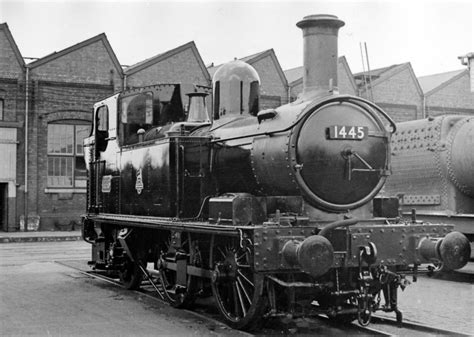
{"points": [[26, 148]]}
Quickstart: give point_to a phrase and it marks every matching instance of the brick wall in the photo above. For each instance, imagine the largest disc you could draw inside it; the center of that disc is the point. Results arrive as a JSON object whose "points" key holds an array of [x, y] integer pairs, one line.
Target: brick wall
{"points": [[343, 78], [271, 84], [345, 81], [180, 68], [53, 102], [12, 94], [454, 98], [90, 64], [9, 66], [399, 96]]}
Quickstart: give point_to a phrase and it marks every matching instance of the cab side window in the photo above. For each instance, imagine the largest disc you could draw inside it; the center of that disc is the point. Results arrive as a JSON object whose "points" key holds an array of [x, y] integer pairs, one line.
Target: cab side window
{"points": [[138, 112], [102, 127], [154, 111], [103, 118]]}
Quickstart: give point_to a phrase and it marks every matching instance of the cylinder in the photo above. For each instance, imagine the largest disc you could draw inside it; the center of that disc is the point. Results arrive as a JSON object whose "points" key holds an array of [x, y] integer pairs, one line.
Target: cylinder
{"points": [[320, 53]]}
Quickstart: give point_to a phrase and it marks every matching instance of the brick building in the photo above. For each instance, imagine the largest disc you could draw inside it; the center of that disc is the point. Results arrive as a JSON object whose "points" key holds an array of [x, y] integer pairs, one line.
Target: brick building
{"points": [[346, 82], [57, 92], [447, 93], [62, 88], [12, 101], [395, 89], [179, 65], [273, 83]]}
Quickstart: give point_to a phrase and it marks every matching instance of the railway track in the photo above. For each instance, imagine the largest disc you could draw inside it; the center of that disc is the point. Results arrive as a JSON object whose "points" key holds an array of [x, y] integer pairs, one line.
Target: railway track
{"points": [[205, 310], [390, 327]]}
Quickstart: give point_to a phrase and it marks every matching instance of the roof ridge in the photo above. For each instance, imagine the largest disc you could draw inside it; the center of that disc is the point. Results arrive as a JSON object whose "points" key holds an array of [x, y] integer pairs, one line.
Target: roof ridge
{"points": [[141, 64], [14, 46], [67, 50]]}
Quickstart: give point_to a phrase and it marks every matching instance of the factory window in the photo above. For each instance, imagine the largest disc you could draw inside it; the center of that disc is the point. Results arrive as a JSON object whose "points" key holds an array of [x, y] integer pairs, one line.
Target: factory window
{"points": [[2, 104], [66, 165]]}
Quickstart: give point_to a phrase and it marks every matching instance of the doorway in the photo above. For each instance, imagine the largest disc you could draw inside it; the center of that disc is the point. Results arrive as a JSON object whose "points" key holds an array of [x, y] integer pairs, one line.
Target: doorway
{"points": [[3, 206]]}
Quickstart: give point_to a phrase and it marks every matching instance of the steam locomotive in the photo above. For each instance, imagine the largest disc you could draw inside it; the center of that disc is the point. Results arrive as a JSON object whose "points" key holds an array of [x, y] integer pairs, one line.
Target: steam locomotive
{"points": [[432, 170], [267, 211]]}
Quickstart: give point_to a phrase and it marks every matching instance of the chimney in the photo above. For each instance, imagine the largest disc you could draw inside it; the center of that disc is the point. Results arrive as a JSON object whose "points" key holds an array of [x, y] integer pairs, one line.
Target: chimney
{"points": [[320, 54]]}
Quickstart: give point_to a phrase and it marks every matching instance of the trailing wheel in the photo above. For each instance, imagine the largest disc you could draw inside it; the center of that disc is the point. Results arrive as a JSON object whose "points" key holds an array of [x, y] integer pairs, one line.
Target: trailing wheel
{"points": [[237, 289]]}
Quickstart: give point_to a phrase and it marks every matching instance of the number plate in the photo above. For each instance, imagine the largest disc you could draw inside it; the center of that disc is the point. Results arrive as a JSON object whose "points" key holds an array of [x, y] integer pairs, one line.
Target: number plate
{"points": [[347, 132]]}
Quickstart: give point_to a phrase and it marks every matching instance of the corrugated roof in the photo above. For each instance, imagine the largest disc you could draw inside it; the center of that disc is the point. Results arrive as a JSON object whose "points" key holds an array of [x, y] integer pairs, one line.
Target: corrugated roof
{"points": [[431, 82]]}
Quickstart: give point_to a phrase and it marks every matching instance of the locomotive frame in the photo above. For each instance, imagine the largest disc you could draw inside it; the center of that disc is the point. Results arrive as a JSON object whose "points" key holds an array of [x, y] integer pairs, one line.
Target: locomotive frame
{"points": [[268, 212]]}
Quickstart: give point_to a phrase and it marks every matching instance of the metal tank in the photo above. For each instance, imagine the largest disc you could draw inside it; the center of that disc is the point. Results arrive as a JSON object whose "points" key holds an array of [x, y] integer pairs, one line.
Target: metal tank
{"points": [[432, 169]]}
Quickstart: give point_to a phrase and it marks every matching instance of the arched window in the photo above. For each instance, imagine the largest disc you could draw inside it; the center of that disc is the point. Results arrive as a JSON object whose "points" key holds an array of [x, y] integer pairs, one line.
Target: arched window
{"points": [[66, 165]]}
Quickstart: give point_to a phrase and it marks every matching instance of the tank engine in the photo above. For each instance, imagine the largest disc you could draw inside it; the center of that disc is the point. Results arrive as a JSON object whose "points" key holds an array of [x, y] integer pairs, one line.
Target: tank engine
{"points": [[266, 211]]}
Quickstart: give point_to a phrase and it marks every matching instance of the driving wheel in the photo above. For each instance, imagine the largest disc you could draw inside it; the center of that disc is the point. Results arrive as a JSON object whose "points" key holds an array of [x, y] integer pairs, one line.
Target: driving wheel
{"points": [[177, 286], [237, 289]]}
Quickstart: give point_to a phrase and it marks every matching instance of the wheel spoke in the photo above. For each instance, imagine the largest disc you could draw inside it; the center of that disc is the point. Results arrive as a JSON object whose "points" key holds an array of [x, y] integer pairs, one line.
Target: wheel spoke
{"points": [[239, 281], [245, 278], [222, 253], [236, 300], [241, 300], [241, 256]]}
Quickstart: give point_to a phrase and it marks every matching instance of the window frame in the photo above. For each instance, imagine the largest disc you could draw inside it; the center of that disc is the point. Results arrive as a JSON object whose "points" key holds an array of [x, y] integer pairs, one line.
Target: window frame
{"points": [[65, 159]]}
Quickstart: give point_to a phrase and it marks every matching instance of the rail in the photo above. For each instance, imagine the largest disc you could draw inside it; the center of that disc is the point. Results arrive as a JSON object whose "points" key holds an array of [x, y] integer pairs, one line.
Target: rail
{"points": [[380, 326], [391, 327]]}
